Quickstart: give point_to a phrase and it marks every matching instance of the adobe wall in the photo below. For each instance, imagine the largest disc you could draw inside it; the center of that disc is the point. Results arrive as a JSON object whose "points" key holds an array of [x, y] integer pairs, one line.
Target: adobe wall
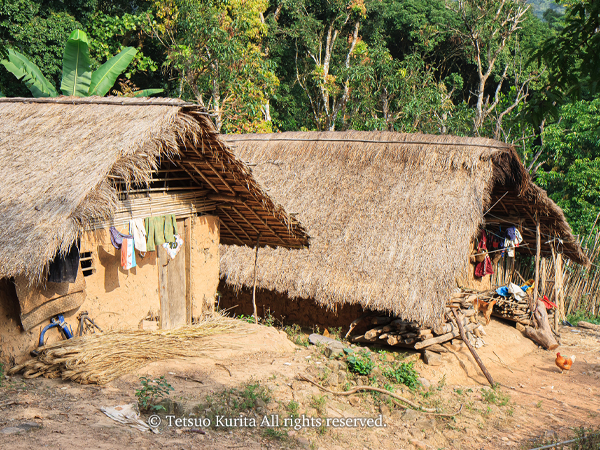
{"points": [[304, 312], [116, 298]]}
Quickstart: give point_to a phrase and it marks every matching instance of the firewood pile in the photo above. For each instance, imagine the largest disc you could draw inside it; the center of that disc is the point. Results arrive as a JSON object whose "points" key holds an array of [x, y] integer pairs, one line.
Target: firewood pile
{"points": [[406, 334], [511, 308]]}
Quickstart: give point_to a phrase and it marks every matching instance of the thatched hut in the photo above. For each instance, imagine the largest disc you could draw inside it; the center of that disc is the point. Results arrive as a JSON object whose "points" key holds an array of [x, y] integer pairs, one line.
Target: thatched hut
{"points": [[73, 167], [392, 219]]}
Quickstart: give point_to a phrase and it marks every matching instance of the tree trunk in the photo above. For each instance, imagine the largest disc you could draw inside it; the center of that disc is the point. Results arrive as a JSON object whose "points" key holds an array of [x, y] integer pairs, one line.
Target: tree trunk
{"points": [[543, 334]]}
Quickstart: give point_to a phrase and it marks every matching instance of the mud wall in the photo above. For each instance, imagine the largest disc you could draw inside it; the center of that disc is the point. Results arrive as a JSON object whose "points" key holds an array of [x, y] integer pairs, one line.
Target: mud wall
{"points": [[304, 312], [116, 298]]}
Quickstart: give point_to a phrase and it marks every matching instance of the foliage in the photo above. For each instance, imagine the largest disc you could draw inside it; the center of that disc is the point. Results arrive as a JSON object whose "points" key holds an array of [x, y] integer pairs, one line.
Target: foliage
{"points": [[2, 376], [495, 396], [571, 172], [232, 402], [296, 335], [151, 392], [403, 373], [319, 402], [360, 362], [574, 55], [578, 316], [77, 77]]}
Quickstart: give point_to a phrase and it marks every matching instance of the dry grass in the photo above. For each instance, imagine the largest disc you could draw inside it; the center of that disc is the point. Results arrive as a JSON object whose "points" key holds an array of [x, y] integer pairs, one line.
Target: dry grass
{"points": [[100, 358], [390, 215]]}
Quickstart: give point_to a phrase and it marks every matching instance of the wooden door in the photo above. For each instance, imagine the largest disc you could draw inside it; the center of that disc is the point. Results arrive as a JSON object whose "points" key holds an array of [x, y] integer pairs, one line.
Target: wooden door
{"points": [[172, 288]]}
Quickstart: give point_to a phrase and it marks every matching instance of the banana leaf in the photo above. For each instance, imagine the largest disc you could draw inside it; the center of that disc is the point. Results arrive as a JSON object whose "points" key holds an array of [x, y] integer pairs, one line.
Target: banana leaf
{"points": [[76, 75], [104, 78], [148, 92], [29, 73]]}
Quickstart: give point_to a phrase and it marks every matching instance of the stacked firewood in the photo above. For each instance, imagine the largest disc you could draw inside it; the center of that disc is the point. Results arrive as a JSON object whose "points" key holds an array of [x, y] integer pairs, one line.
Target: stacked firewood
{"points": [[401, 333], [511, 308]]}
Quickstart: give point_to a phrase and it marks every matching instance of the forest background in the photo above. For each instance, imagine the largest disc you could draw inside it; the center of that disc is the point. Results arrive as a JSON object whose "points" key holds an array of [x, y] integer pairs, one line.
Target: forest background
{"points": [[522, 72]]}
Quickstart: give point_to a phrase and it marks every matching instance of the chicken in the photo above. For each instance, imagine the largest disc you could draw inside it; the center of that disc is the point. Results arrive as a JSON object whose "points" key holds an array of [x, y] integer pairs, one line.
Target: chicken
{"points": [[484, 308], [564, 363]]}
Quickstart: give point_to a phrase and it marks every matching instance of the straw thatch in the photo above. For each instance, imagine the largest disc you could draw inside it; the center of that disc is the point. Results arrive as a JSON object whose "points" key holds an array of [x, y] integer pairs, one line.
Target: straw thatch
{"points": [[59, 156], [390, 215], [100, 358]]}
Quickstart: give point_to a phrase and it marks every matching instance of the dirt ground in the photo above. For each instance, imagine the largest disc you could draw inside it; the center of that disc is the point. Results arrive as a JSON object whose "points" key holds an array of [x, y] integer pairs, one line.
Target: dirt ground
{"points": [[534, 402]]}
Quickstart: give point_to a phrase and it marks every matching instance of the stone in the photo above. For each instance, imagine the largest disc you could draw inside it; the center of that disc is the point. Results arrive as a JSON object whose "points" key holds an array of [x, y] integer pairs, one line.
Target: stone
{"points": [[424, 382], [410, 415], [431, 358], [29, 426], [376, 372], [331, 380], [335, 365], [341, 377], [260, 403], [354, 401], [385, 410], [11, 430], [332, 351], [322, 340]]}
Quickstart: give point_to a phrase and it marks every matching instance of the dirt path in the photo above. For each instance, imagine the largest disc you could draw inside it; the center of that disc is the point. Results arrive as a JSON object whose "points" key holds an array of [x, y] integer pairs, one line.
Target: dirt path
{"points": [[258, 379]]}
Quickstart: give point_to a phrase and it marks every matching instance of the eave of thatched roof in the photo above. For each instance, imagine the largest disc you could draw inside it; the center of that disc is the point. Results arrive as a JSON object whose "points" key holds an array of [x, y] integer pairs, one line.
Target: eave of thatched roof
{"points": [[391, 216], [59, 156]]}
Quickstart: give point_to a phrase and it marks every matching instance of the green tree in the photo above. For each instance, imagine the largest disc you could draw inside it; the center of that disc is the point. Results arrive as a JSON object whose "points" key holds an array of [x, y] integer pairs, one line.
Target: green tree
{"points": [[571, 157], [221, 64], [77, 77]]}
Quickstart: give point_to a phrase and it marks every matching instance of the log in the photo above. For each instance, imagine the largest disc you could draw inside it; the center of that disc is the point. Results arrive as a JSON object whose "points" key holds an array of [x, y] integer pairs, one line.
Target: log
{"points": [[543, 334], [380, 320], [443, 337], [463, 335], [392, 340], [373, 333], [589, 326]]}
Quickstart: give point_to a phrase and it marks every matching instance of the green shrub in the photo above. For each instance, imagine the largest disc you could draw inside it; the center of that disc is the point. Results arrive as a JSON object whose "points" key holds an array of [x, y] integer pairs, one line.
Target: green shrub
{"points": [[360, 363], [151, 392], [403, 373]]}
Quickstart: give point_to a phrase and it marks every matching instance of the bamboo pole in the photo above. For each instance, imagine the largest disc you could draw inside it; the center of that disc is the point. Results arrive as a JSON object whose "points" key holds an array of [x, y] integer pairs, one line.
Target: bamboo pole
{"points": [[463, 335], [254, 286], [538, 245]]}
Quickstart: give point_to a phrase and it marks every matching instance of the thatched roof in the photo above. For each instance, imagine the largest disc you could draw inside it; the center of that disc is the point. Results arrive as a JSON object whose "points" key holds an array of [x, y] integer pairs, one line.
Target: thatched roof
{"points": [[390, 216], [60, 156]]}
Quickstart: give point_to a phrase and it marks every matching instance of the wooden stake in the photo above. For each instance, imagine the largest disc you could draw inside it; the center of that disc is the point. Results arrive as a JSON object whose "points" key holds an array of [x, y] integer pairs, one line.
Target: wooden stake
{"points": [[538, 242], [254, 287], [463, 335]]}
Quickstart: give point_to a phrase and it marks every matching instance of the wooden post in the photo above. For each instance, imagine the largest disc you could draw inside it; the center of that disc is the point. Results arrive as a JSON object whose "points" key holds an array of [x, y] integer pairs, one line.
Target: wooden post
{"points": [[560, 295], [533, 300], [254, 287], [463, 335]]}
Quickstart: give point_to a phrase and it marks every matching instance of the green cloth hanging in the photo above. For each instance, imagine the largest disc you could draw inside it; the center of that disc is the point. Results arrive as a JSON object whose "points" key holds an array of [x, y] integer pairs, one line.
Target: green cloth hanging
{"points": [[170, 228], [155, 232]]}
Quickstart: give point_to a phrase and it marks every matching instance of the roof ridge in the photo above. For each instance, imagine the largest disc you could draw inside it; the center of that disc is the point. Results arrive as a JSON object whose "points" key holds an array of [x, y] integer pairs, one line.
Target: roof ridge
{"points": [[118, 101]]}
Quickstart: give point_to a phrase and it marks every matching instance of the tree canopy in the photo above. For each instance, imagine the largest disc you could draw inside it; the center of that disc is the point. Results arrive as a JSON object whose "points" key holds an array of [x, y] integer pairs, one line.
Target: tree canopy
{"points": [[524, 72]]}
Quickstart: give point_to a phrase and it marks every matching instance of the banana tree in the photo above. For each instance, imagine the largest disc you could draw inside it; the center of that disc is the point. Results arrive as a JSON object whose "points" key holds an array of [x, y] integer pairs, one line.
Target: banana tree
{"points": [[77, 77]]}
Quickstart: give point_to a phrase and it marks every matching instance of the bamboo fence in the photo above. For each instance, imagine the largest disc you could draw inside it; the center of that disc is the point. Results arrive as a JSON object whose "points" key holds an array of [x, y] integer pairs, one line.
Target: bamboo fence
{"points": [[580, 285]]}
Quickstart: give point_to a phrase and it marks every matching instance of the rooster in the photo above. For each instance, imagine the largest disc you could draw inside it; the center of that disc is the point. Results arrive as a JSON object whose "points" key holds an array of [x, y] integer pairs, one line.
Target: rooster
{"points": [[564, 363]]}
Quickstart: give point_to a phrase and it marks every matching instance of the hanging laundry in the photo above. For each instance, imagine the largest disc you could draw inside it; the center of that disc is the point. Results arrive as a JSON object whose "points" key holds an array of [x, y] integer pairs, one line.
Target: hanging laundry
{"points": [[484, 267], [173, 248], [513, 239], [155, 232], [170, 228], [137, 229], [63, 269], [128, 254], [116, 237]]}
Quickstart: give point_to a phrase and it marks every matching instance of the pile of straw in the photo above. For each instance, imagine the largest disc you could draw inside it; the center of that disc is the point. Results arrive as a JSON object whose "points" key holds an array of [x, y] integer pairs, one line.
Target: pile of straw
{"points": [[99, 359]]}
